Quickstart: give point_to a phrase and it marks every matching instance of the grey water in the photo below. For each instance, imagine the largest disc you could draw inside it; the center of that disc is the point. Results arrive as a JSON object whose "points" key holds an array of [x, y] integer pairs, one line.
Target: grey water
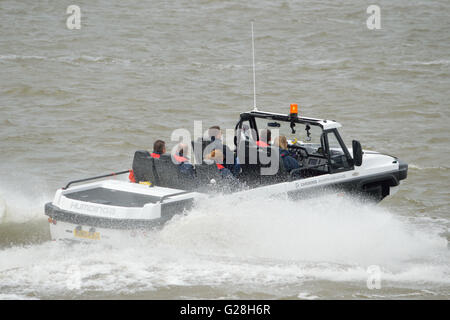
{"points": [[76, 103]]}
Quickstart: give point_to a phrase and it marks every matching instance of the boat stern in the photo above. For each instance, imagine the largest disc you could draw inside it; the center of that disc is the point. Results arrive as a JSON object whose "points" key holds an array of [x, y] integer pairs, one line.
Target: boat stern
{"points": [[107, 209]]}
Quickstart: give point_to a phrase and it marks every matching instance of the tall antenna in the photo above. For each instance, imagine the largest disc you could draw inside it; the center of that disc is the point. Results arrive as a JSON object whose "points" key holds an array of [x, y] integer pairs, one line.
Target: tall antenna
{"points": [[254, 75]]}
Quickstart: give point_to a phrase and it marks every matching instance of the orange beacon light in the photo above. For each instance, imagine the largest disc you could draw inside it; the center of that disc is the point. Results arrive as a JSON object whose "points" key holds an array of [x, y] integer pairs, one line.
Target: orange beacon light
{"points": [[294, 110]]}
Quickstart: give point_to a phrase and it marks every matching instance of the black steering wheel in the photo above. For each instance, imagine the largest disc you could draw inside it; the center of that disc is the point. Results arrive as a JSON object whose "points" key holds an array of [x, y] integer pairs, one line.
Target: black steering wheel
{"points": [[301, 152]]}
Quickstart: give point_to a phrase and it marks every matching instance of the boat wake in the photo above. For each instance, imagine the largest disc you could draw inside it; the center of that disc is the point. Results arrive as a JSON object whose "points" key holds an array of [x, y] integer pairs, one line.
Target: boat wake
{"points": [[330, 228], [274, 247]]}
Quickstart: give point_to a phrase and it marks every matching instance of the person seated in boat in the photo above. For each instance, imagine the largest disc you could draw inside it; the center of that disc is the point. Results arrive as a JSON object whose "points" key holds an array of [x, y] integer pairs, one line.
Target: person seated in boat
{"points": [[264, 138], [181, 158], [245, 132], [216, 143], [217, 157], [215, 135], [181, 153], [289, 161], [159, 148]]}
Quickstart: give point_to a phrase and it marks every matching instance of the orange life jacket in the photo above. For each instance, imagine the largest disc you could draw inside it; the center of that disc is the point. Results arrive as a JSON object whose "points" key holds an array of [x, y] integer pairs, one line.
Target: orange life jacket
{"points": [[131, 176], [219, 166], [180, 159], [261, 144]]}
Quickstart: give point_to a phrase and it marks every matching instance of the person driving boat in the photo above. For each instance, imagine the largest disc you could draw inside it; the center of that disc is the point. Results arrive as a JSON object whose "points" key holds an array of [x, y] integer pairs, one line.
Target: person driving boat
{"points": [[289, 162]]}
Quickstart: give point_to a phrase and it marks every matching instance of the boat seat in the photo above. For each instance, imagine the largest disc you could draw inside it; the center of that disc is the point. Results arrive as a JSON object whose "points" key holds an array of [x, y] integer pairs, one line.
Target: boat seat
{"points": [[205, 172], [168, 174], [166, 171], [143, 167]]}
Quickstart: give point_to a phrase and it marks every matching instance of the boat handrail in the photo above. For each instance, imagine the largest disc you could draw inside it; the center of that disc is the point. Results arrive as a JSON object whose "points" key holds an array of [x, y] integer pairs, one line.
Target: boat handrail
{"points": [[95, 178], [173, 195]]}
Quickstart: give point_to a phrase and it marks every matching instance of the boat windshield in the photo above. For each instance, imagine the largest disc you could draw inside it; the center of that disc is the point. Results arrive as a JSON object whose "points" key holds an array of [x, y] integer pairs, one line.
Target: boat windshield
{"points": [[310, 138]]}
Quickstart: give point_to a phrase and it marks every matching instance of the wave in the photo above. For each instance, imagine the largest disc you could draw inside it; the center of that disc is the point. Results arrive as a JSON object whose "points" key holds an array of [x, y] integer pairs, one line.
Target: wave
{"points": [[432, 62], [240, 245], [90, 59], [320, 62], [68, 59], [26, 90], [20, 57], [121, 61], [419, 168]]}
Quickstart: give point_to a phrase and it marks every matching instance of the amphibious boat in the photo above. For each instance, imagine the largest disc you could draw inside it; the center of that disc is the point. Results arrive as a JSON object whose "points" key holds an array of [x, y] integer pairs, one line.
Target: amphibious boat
{"points": [[101, 208]]}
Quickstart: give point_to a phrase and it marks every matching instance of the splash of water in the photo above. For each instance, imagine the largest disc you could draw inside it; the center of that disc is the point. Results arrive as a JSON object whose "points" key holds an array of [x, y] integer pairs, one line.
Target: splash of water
{"points": [[330, 229], [251, 245], [19, 204]]}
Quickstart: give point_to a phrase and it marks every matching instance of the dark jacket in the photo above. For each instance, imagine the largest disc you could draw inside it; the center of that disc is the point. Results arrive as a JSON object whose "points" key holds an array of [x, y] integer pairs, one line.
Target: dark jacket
{"points": [[288, 161], [226, 174], [184, 166], [233, 166]]}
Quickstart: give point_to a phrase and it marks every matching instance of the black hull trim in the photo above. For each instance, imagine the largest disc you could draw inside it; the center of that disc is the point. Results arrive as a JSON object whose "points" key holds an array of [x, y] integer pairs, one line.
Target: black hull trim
{"points": [[373, 188]]}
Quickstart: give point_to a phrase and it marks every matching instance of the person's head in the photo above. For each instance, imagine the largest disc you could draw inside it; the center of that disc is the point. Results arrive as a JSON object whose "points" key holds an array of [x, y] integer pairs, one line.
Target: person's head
{"points": [[281, 142], [265, 135], [215, 132], [159, 147], [215, 155], [182, 149]]}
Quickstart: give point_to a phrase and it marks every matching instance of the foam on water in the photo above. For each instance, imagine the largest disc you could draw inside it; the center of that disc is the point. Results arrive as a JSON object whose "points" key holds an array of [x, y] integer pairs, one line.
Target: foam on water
{"points": [[249, 246], [333, 229], [19, 203]]}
